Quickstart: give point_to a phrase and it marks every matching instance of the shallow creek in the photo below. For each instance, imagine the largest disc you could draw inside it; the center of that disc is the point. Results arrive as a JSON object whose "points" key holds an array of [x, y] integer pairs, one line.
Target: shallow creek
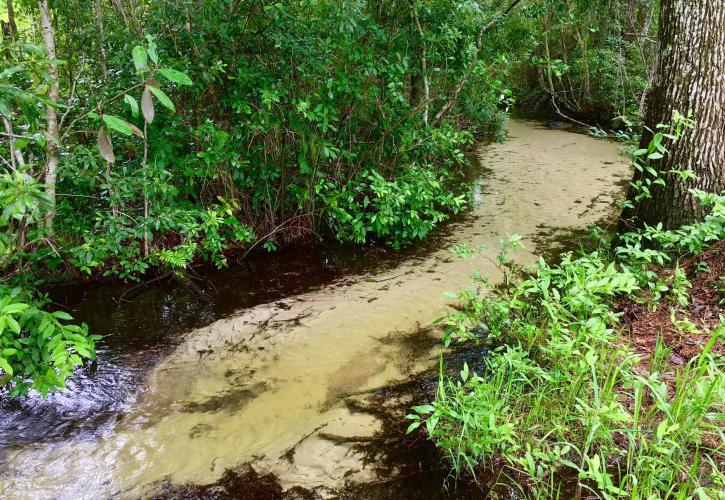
{"points": [[268, 381]]}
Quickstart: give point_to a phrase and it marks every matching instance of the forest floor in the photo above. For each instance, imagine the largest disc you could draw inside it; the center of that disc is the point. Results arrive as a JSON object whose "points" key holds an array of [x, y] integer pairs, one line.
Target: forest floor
{"points": [[684, 332]]}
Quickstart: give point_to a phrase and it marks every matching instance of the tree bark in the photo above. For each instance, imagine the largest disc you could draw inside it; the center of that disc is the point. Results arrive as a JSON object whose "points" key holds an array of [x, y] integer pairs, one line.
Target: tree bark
{"points": [[101, 39], [423, 63], [52, 130], [12, 26], [689, 76]]}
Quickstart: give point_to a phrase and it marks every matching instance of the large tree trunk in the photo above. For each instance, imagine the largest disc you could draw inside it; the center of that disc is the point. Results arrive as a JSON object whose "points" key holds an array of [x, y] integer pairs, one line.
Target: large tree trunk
{"points": [[53, 135], [689, 76]]}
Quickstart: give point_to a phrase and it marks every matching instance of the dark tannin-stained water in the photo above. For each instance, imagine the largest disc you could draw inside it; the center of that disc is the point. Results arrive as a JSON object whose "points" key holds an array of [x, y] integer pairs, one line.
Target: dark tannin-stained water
{"points": [[288, 373]]}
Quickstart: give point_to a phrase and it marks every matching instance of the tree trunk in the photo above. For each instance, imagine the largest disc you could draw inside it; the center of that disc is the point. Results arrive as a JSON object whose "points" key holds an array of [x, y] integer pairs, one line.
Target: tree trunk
{"points": [[12, 27], [689, 76], [423, 63], [101, 39], [52, 131]]}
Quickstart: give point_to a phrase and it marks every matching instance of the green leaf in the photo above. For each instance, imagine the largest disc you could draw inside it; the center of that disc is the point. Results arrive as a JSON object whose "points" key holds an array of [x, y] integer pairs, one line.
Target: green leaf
{"points": [[117, 124], [175, 76], [163, 98], [133, 104], [14, 308], [6, 366], [140, 58], [12, 324], [62, 315], [423, 409], [412, 427]]}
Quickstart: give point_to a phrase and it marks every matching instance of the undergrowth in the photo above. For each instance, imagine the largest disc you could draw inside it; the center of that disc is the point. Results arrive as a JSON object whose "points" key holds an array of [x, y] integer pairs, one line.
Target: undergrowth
{"points": [[563, 392]]}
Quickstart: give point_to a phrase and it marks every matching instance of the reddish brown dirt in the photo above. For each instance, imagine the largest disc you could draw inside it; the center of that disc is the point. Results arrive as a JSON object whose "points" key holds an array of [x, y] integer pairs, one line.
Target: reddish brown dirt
{"points": [[644, 326]]}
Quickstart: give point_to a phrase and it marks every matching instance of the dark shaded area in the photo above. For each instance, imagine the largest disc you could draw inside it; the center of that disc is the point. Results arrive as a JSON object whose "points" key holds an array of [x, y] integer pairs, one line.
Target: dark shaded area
{"points": [[242, 482], [230, 401]]}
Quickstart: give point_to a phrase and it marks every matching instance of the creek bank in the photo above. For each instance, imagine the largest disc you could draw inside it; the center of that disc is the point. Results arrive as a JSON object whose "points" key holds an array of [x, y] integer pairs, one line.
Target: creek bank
{"points": [[605, 373], [252, 382]]}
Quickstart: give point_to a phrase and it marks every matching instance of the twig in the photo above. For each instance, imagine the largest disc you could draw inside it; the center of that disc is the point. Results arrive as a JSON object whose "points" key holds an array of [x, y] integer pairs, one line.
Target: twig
{"points": [[289, 453]]}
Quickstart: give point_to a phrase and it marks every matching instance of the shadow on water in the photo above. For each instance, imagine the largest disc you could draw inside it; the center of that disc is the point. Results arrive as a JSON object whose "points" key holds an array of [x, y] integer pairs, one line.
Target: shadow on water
{"points": [[408, 466]]}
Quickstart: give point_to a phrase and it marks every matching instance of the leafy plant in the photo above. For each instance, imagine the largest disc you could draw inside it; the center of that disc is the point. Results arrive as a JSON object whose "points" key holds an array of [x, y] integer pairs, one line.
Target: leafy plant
{"points": [[38, 349], [561, 390]]}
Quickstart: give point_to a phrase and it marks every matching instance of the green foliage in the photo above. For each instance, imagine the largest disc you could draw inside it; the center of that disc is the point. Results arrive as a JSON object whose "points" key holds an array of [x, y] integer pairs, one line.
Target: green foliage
{"points": [[184, 134], [588, 59], [560, 390], [38, 349], [398, 211]]}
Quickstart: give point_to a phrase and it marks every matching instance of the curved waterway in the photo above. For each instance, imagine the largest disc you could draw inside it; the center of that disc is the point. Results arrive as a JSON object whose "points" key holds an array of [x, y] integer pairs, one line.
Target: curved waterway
{"points": [[273, 379]]}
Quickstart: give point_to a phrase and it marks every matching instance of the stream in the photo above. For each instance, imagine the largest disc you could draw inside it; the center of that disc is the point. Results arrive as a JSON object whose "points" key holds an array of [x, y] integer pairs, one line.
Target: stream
{"points": [[270, 367]]}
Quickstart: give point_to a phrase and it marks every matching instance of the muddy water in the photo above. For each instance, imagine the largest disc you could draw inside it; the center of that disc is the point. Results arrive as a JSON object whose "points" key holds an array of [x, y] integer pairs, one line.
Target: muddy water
{"points": [[271, 384]]}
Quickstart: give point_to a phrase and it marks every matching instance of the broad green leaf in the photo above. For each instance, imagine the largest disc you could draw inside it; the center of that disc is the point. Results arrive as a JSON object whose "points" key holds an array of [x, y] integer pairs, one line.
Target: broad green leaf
{"points": [[175, 76], [12, 324], [412, 427], [162, 97], [133, 104], [6, 366], [140, 58], [14, 308], [151, 44], [117, 124], [62, 315]]}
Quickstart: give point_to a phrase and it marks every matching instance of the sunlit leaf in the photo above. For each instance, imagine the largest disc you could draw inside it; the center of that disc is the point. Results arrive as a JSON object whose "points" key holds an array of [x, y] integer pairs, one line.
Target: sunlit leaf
{"points": [[140, 58], [117, 124], [162, 97], [133, 104], [175, 76]]}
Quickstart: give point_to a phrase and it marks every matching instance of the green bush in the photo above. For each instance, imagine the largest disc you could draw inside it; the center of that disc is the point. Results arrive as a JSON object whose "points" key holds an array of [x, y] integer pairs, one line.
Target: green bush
{"points": [[397, 211], [38, 349]]}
